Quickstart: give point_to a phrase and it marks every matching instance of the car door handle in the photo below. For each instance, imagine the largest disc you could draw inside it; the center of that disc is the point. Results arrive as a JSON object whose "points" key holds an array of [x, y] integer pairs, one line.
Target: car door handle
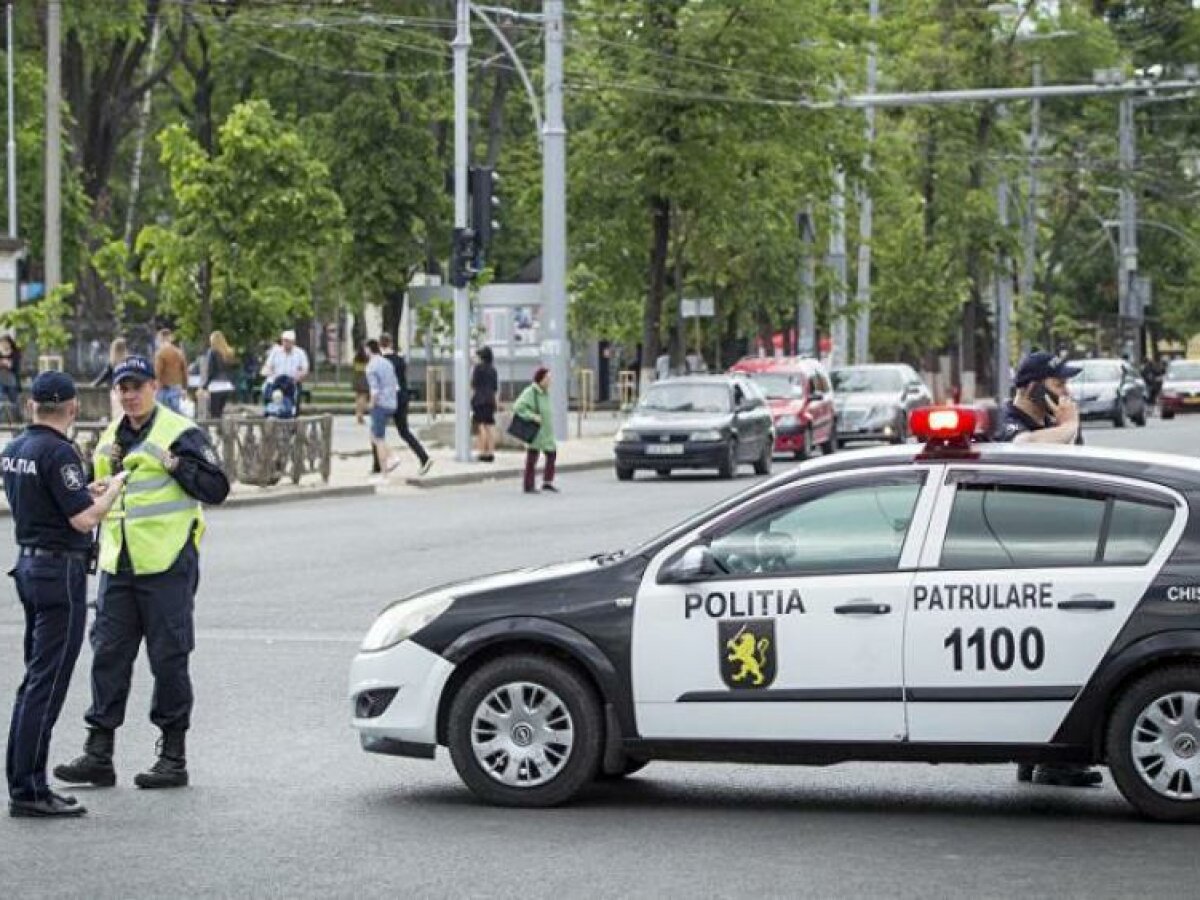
{"points": [[858, 607], [1086, 602]]}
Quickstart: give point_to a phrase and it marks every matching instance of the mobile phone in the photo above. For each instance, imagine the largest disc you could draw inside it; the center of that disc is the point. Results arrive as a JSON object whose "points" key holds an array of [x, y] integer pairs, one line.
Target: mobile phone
{"points": [[1039, 393]]}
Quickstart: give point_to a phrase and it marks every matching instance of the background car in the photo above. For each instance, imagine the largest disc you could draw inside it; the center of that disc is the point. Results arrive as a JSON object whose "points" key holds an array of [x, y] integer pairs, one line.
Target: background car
{"points": [[1180, 388], [1109, 389], [800, 397], [873, 402], [697, 422]]}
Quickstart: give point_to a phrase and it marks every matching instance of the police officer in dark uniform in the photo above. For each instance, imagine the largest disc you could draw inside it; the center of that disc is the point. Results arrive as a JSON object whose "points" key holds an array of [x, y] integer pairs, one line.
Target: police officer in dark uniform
{"points": [[1043, 412], [54, 510], [150, 568]]}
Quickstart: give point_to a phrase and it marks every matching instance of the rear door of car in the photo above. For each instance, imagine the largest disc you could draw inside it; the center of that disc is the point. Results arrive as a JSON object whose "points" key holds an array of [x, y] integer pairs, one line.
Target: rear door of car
{"points": [[1025, 580]]}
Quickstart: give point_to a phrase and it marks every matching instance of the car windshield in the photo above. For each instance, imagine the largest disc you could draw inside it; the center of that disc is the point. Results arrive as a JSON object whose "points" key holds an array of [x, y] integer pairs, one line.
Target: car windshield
{"points": [[1097, 372], [776, 386], [867, 381], [1184, 370], [685, 398]]}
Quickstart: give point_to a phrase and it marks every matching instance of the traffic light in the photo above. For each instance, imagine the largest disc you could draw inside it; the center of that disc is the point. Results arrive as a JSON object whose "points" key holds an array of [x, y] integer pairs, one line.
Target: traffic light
{"points": [[484, 208], [462, 258]]}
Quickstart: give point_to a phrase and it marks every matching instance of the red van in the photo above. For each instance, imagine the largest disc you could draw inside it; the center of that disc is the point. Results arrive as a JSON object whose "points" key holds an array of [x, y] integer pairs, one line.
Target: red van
{"points": [[801, 399]]}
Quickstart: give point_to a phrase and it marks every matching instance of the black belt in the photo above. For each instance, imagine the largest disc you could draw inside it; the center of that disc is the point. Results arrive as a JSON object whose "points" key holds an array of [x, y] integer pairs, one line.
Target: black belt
{"points": [[81, 555]]}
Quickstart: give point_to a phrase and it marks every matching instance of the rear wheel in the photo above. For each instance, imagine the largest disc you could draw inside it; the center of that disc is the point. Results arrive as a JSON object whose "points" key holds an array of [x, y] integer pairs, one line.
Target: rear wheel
{"points": [[728, 467], [1168, 414], [762, 465], [662, 472], [1140, 419], [1153, 744], [525, 730], [624, 473]]}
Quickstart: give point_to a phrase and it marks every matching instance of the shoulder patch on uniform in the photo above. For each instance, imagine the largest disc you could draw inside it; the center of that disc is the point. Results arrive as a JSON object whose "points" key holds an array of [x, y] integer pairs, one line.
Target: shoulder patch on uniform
{"points": [[72, 476]]}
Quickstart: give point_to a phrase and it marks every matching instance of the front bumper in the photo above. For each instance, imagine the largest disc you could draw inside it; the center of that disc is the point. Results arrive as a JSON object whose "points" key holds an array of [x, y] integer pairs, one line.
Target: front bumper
{"points": [[692, 455], [850, 428], [407, 724], [1179, 404]]}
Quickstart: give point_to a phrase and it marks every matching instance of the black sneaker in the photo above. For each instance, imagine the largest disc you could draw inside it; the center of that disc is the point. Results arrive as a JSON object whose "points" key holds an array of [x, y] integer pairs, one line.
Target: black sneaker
{"points": [[551, 488]]}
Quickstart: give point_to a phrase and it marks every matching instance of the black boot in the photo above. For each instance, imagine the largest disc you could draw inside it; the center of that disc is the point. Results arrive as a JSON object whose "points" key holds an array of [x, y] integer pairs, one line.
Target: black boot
{"points": [[96, 765], [170, 770]]}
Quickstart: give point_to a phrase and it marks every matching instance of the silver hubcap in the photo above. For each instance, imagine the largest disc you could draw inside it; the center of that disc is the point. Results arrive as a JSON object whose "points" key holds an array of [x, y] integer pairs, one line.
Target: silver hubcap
{"points": [[1166, 745], [522, 734]]}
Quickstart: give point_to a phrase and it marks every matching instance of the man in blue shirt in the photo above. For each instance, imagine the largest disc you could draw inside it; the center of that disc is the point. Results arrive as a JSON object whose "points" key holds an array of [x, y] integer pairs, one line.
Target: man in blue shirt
{"points": [[54, 511]]}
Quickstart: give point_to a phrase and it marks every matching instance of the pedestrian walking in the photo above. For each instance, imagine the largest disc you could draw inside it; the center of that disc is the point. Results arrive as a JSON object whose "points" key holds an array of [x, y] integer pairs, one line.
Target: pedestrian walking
{"points": [[381, 378], [220, 368], [400, 417], [534, 405], [485, 385], [117, 351], [54, 511], [362, 390], [170, 371], [150, 568], [10, 379]]}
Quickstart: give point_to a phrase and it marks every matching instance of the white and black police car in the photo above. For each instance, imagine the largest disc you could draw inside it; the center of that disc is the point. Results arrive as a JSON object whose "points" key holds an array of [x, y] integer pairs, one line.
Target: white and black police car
{"points": [[956, 602]]}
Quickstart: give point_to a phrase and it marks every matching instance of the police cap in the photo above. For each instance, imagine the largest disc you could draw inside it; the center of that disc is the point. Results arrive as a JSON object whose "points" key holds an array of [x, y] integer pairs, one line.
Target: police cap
{"points": [[53, 387], [1040, 365], [134, 368]]}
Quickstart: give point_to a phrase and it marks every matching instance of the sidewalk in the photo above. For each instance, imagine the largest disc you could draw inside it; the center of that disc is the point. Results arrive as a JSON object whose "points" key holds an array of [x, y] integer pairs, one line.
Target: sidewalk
{"points": [[350, 468]]}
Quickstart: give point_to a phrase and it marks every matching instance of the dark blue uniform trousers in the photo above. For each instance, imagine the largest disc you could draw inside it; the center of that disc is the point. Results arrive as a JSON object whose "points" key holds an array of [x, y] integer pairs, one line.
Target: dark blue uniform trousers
{"points": [[54, 595], [160, 609]]}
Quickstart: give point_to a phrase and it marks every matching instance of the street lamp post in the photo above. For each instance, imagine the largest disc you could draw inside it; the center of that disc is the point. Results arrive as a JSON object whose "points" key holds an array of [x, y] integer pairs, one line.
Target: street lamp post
{"points": [[462, 300]]}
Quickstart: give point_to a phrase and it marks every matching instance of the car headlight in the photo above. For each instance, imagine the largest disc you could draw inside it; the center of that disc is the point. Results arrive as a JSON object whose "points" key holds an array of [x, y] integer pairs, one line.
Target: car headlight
{"points": [[625, 436], [711, 434], [403, 619]]}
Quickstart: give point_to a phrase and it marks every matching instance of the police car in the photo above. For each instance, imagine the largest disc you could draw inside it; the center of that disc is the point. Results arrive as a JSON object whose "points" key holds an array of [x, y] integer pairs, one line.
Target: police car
{"points": [[952, 602]]}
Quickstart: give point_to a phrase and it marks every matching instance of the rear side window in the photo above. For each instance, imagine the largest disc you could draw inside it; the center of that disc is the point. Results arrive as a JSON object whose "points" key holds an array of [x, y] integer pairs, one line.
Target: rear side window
{"points": [[1018, 526]]}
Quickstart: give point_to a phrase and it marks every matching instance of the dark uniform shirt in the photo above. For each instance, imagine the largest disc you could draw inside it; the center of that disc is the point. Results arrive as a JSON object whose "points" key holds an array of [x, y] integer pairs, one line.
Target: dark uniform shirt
{"points": [[46, 485], [1015, 421], [198, 472]]}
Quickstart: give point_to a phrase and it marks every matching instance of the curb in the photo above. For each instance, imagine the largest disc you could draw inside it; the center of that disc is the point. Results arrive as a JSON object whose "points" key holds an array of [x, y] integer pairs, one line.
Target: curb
{"points": [[297, 496], [460, 478]]}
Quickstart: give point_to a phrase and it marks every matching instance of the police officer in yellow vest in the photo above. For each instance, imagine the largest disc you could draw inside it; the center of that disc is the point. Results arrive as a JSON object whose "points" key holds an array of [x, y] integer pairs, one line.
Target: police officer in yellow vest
{"points": [[150, 567]]}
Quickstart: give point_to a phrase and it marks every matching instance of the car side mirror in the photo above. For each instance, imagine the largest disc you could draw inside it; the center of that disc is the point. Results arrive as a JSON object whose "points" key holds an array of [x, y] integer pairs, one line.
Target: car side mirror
{"points": [[696, 564]]}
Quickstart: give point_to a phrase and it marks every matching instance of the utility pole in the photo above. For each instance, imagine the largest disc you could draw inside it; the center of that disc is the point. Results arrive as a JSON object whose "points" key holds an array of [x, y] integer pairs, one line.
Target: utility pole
{"points": [[1029, 223], [53, 240], [837, 261], [806, 319], [1128, 267], [462, 299], [12, 134], [1003, 292], [862, 331], [555, 346]]}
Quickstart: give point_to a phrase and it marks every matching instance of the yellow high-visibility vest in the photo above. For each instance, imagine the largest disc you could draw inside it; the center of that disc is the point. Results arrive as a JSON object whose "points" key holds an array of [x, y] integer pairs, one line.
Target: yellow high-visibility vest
{"points": [[153, 513]]}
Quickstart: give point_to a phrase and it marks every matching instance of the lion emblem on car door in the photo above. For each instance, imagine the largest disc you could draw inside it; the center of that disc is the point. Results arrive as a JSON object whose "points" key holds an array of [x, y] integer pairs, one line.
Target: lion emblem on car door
{"points": [[747, 650]]}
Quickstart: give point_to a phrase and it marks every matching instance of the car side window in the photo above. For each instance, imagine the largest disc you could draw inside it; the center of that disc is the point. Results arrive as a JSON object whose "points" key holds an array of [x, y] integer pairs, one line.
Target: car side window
{"points": [[1029, 526], [1135, 531], [858, 528]]}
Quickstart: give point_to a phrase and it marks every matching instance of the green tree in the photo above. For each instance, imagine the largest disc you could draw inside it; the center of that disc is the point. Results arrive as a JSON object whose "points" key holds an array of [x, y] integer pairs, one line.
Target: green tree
{"points": [[260, 215]]}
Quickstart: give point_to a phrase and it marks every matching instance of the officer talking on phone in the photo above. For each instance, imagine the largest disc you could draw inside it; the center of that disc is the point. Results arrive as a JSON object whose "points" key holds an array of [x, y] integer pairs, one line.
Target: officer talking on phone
{"points": [[54, 511], [1043, 412]]}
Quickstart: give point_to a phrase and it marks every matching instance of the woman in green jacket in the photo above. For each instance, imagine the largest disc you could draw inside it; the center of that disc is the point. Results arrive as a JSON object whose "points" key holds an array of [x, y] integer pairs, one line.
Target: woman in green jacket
{"points": [[534, 404]]}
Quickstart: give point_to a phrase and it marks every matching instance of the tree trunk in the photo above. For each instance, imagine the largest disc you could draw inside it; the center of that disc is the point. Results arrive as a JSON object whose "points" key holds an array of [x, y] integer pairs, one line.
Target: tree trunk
{"points": [[660, 236]]}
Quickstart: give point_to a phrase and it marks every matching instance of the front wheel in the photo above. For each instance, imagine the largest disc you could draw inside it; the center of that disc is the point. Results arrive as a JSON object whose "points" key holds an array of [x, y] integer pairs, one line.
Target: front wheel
{"points": [[1118, 417], [1167, 414], [728, 467], [624, 473], [525, 730], [762, 465], [1153, 744]]}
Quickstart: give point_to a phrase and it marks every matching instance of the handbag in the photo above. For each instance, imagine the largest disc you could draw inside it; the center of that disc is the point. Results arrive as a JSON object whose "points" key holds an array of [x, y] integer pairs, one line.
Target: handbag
{"points": [[524, 430]]}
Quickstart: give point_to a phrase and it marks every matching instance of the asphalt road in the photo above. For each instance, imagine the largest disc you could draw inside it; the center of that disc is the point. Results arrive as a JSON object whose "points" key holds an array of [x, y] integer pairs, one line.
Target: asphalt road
{"points": [[284, 804]]}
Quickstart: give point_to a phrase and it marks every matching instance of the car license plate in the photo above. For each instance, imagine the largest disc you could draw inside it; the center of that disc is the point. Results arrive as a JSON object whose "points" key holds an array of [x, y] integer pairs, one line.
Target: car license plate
{"points": [[1191, 401], [664, 449]]}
